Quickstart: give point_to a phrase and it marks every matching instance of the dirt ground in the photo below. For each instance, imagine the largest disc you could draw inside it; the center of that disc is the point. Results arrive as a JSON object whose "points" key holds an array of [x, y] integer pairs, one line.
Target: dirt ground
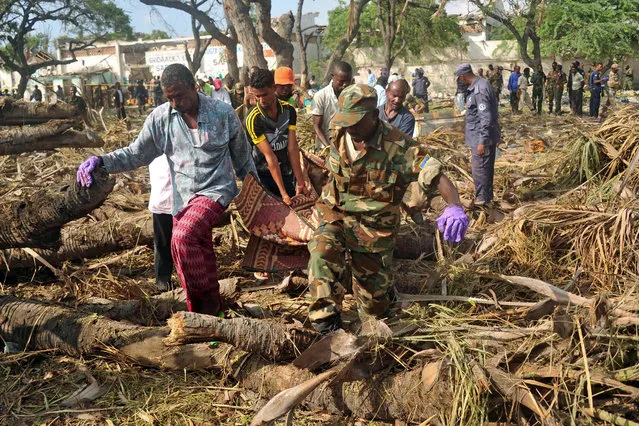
{"points": [[34, 385]]}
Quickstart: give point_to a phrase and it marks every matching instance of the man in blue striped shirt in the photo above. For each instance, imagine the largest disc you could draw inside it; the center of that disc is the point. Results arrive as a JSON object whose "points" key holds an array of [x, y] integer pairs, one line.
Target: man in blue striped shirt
{"points": [[206, 148]]}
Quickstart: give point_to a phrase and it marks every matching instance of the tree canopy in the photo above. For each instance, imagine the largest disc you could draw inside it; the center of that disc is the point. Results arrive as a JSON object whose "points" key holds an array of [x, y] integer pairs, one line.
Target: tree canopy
{"points": [[413, 27], [84, 21], [598, 30]]}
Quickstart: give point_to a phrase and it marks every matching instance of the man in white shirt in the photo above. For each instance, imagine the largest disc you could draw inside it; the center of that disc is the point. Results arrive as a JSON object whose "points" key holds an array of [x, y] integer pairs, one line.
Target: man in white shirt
{"points": [[576, 93], [522, 89], [324, 104], [220, 92], [160, 204]]}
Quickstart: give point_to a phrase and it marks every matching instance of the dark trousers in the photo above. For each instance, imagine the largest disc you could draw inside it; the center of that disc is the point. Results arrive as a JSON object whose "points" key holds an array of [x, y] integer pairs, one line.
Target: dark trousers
{"points": [[576, 101], [483, 168], [595, 100], [121, 112], [538, 98], [269, 183], [558, 95], [162, 232], [514, 101]]}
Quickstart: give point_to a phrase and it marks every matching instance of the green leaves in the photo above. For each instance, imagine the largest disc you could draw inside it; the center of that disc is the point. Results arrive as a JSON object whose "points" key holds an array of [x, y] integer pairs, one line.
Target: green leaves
{"points": [[597, 30]]}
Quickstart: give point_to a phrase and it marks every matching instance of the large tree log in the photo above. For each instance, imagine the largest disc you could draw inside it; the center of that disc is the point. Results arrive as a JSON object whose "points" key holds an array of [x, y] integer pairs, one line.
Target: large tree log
{"points": [[155, 308], [36, 221], [19, 113], [54, 134], [114, 231], [35, 325], [270, 339], [81, 240]]}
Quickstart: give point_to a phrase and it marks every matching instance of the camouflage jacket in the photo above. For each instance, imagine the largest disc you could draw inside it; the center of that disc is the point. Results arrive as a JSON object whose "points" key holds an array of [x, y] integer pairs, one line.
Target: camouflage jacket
{"points": [[372, 187], [613, 81]]}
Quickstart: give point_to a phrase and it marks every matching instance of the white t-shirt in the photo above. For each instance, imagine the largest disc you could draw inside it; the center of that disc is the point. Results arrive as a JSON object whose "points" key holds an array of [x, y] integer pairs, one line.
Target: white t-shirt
{"points": [[161, 199], [522, 83], [577, 79], [221, 95], [325, 104], [351, 152]]}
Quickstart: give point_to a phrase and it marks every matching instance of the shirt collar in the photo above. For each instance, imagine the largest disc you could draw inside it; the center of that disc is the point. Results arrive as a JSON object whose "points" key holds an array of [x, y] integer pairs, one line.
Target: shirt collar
{"points": [[201, 115], [280, 108]]}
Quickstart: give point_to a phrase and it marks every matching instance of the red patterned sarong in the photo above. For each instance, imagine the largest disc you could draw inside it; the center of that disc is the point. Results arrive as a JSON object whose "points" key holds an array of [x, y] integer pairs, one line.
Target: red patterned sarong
{"points": [[193, 254]]}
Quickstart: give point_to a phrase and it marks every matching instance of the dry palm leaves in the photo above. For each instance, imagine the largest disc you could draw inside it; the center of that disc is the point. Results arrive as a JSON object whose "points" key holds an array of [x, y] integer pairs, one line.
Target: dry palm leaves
{"points": [[606, 153], [547, 239]]}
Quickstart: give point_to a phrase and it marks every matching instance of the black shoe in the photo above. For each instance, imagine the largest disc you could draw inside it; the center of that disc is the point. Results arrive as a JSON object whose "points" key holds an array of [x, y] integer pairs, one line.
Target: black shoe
{"points": [[163, 285], [328, 325]]}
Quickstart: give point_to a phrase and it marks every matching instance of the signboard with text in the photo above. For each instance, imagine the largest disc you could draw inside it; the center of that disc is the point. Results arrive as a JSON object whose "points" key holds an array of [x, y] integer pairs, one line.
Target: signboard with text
{"points": [[214, 62]]}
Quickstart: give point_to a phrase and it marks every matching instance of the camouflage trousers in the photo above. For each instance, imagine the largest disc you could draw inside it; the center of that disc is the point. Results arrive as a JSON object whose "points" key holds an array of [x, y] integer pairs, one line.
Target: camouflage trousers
{"points": [[329, 276]]}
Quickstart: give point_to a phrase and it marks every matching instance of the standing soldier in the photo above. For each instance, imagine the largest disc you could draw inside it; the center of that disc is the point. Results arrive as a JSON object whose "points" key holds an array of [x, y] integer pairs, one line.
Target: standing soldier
{"points": [[78, 102], [496, 80], [627, 82], [538, 79], [118, 101], [614, 84], [141, 95], [560, 82], [550, 86], [489, 72], [370, 164]]}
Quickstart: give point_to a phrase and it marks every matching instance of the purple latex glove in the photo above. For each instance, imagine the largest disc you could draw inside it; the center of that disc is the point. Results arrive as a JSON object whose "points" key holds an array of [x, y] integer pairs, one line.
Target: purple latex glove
{"points": [[453, 223], [85, 170]]}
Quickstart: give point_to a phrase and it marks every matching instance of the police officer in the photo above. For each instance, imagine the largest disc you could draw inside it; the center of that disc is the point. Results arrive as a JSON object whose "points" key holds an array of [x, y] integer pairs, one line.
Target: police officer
{"points": [[482, 131], [370, 164], [595, 90]]}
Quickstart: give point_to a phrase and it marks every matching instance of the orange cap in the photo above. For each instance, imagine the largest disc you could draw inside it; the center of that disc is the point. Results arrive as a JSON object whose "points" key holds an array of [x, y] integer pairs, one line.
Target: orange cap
{"points": [[284, 75]]}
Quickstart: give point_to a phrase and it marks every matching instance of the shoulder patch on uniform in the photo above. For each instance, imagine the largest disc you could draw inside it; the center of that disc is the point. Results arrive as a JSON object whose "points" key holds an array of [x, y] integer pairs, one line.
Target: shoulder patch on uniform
{"points": [[482, 107], [424, 161]]}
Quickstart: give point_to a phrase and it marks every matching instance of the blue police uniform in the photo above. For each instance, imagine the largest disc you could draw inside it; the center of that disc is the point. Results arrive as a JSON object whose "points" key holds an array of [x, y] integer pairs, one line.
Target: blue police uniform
{"points": [[482, 127], [595, 93]]}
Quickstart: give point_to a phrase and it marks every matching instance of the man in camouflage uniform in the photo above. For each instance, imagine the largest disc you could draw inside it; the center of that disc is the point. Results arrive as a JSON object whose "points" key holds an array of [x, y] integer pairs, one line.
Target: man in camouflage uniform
{"points": [[370, 165], [551, 80], [627, 82], [496, 79], [538, 79]]}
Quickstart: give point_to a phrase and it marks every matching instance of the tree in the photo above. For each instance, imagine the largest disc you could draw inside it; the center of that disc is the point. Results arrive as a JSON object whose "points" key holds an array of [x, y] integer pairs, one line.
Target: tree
{"points": [[203, 12], [404, 26], [278, 38], [301, 44], [522, 18], [349, 29], [598, 30], [155, 35], [86, 22], [199, 50], [398, 27]]}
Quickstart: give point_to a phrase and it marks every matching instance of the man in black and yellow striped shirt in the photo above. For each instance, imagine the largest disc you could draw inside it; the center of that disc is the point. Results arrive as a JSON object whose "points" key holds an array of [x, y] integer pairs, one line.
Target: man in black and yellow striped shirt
{"points": [[270, 125]]}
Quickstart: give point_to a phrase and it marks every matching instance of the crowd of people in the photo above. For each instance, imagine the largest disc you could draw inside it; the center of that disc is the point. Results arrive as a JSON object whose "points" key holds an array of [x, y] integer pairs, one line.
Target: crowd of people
{"points": [[196, 146], [204, 147]]}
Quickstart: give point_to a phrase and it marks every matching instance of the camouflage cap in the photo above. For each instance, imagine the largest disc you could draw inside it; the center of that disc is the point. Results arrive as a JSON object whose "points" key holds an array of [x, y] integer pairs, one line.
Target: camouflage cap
{"points": [[354, 102]]}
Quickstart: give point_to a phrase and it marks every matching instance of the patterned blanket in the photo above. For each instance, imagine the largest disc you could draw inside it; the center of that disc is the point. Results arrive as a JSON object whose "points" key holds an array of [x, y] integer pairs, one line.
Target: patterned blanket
{"points": [[279, 233]]}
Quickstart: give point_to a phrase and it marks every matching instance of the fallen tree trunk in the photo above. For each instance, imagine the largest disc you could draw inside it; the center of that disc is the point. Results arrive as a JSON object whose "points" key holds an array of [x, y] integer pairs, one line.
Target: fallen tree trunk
{"points": [[54, 134], [270, 339], [155, 308], [114, 231], [20, 113], [37, 220], [33, 325]]}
